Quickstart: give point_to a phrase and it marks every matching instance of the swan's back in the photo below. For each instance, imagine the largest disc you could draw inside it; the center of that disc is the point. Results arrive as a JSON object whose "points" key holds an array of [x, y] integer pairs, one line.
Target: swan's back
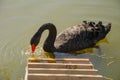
{"points": [[77, 38], [71, 39]]}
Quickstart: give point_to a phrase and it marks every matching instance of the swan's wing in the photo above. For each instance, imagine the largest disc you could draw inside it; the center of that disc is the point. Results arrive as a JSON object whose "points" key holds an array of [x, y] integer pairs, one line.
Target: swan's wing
{"points": [[71, 39]]}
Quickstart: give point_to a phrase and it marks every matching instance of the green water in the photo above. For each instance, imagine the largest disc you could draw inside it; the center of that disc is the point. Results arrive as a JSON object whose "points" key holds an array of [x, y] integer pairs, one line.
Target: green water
{"points": [[19, 20]]}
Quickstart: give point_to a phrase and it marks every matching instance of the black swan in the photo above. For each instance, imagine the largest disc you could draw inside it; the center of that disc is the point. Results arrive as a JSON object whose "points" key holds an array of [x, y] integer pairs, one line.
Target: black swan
{"points": [[73, 38]]}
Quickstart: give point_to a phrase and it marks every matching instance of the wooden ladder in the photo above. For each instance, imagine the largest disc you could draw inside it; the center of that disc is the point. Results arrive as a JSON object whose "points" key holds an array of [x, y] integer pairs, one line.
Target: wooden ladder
{"points": [[61, 69]]}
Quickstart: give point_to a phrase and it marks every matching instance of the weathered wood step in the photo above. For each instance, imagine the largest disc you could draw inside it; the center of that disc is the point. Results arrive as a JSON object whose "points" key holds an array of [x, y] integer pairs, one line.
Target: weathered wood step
{"points": [[62, 71], [63, 77], [61, 60], [60, 65]]}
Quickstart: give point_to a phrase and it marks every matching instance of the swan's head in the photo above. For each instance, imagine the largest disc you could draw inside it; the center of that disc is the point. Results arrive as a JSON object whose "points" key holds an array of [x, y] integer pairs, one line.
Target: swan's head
{"points": [[49, 42], [34, 42]]}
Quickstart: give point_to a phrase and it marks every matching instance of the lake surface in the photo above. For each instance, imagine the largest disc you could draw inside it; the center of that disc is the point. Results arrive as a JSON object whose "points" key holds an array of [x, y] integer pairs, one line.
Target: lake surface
{"points": [[20, 19]]}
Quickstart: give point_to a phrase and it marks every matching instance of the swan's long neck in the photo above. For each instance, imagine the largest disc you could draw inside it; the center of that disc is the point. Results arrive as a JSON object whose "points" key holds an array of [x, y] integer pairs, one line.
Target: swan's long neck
{"points": [[49, 42]]}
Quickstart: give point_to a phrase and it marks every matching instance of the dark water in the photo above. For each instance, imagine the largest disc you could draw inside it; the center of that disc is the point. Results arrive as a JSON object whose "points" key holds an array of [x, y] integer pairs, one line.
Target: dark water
{"points": [[19, 20]]}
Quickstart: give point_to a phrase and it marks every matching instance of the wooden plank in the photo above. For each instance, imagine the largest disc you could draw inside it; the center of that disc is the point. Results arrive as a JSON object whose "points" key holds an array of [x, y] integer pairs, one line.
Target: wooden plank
{"points": [[26, 73], [63, 77], [60, 60], [62, 71], [60, 65]]}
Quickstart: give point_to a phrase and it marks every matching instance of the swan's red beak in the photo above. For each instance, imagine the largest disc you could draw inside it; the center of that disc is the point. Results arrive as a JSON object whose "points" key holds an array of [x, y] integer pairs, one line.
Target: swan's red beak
{"points": [[33, 48]]}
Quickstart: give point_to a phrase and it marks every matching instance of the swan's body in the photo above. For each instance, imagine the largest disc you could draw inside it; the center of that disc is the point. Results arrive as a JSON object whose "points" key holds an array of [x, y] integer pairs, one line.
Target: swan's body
{"points": [[72, 39]]}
